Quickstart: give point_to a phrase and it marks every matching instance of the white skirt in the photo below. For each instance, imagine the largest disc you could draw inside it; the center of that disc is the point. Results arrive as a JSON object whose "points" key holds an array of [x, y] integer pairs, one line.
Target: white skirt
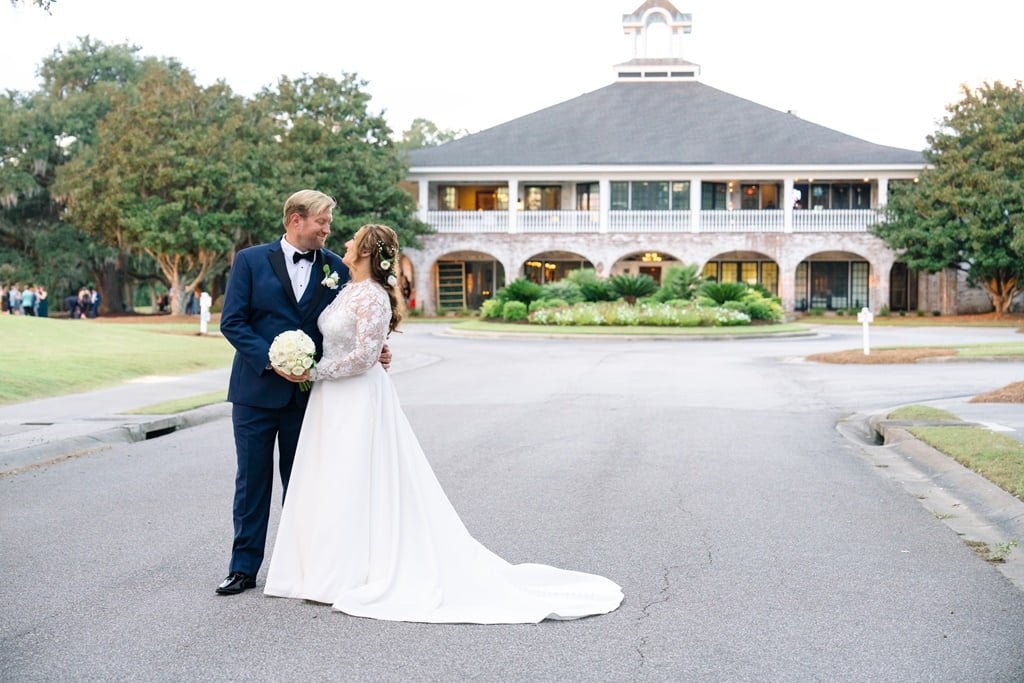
{"points": [[367, 528]]}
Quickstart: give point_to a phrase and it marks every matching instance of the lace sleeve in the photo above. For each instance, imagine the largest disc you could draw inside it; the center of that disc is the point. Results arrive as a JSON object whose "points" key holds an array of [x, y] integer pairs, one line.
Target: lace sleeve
{"points": [[372, 310]]}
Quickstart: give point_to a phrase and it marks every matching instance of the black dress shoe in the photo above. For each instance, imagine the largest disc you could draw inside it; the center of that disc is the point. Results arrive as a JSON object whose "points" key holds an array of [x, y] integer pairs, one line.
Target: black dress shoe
{"points": [[236, 583]]}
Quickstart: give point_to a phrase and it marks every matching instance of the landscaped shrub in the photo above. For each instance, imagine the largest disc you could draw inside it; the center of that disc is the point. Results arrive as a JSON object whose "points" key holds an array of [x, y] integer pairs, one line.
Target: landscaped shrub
{"points": [[764, 309], [565, 290], [547, 303], [720, 292], [816, 311], [520, 290], [591, 287], [883, 312], [513, 311], [632, 287], [678, 282], [491, 308], [621, 313]]}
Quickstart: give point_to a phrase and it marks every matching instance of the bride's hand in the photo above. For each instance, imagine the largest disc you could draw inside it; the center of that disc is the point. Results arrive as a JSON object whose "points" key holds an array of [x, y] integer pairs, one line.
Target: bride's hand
{"points": [[297, 379], [385, 357]]}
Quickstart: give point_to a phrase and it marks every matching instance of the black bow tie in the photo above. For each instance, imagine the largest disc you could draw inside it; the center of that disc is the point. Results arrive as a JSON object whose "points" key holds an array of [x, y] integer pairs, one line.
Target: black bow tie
{"points": [[309, 256]]}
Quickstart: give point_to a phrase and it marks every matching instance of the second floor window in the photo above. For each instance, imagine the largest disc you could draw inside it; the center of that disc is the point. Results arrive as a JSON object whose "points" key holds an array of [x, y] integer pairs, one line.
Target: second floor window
{"points": [[650, 195]]}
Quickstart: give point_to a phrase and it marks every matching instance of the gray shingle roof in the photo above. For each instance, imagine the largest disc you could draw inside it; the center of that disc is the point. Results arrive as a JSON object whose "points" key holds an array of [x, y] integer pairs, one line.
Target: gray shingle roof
{"points": [[659, 123]]}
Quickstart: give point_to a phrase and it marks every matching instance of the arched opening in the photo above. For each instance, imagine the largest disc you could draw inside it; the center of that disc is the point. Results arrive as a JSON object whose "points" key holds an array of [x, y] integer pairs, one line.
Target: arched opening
{"points": [[651, 263], [751, 267], [552, 266], [902, 287], [832, 281], [465, 279]]}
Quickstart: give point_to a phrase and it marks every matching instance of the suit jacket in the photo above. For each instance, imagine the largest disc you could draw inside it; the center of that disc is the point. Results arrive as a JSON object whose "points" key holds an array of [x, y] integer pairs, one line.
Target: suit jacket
{"points": [[259, 304]]}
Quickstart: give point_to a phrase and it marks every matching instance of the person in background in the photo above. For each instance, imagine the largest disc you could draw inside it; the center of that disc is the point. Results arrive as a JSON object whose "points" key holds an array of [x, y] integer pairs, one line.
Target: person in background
{"points": [[13, 300], [84, 303], [28, 300], [42, 306], [94, 302], [71, 303]]}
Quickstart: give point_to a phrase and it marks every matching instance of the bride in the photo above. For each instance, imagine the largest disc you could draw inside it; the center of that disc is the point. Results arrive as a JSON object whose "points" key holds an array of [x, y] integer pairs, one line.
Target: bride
{"points": [[366, 526]]}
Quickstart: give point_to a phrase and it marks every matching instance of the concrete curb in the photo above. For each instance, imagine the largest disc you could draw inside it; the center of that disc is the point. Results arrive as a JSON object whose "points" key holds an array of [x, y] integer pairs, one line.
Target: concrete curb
{"points": [[968, 503], [20, 460], [481, 334]]}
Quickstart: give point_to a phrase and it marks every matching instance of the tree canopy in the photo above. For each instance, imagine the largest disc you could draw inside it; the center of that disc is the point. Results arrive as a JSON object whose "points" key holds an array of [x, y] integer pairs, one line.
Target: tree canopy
{"points": [[967, 209], [121, 168], [425, 133]]}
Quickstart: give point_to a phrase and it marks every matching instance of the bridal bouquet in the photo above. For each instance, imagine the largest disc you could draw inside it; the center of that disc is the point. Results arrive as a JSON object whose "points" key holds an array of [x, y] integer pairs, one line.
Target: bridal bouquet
{"points": [[292, 353]]}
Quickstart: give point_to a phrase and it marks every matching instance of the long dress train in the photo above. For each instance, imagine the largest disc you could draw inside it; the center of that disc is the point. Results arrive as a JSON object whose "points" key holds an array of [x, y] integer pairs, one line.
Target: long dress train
{"points": [[366, 526]]}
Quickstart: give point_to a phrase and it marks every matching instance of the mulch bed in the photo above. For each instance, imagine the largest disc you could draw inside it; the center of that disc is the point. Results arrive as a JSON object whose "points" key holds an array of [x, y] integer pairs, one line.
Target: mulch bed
{"points": [[879, 356], [1011, 393]]}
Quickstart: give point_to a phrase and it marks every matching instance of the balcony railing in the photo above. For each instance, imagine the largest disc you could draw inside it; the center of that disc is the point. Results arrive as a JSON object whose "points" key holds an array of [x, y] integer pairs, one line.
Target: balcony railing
{"points": [[572, 222], [558, 221], [835, 220], [741, 221], [469, 221]]}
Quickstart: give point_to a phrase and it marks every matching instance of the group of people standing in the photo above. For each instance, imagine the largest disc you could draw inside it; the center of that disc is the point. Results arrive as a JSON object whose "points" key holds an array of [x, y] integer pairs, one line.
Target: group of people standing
{"points": [[30, 300]]}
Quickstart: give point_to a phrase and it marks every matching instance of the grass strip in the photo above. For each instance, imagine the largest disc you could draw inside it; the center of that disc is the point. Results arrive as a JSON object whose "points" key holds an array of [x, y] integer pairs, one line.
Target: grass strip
{"points": [[997, 457], [180, 405], [625, 330], [51, 357], [922, 413]]}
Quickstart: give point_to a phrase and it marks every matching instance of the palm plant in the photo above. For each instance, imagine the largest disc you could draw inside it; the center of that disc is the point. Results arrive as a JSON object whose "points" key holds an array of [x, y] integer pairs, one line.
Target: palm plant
{"points": [[632, 287], [720, 292]]}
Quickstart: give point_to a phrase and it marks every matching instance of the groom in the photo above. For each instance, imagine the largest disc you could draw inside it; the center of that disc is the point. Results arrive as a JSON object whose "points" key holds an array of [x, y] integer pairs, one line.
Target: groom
{"points": [[273, 288]]}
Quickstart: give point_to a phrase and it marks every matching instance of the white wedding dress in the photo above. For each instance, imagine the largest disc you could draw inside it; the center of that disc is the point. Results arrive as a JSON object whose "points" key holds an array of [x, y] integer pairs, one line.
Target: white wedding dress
{"points": [[366, 526]]}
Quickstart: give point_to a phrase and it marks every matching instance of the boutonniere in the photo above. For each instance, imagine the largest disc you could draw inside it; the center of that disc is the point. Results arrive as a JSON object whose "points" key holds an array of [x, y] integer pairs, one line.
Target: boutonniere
{"points": [[331, 278]]}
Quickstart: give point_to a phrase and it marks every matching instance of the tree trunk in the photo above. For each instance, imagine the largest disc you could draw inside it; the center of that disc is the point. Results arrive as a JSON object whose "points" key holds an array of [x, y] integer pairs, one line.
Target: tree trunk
{"points": [[110, 283]]}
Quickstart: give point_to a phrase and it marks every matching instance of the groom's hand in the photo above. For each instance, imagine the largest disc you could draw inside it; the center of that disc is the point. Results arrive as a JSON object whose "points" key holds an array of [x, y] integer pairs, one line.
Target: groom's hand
{"points": [[304, 377], [385, 357]]}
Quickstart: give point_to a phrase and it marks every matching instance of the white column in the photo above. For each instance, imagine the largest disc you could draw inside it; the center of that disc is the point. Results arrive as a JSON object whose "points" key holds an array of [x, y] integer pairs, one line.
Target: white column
{"points": [[513, 203], [695, 195], [787, 204], [426, 297], [883, 192], [424, 201], [787, 285], [604, 191]]}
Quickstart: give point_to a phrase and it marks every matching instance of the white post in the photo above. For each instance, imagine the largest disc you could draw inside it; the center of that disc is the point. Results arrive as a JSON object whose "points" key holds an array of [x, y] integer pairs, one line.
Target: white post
{"points": [[513, 203], [424, 200], [883, 191], [865, 318], [205, 301], [695, 198], [604, 193], [787, 204]]}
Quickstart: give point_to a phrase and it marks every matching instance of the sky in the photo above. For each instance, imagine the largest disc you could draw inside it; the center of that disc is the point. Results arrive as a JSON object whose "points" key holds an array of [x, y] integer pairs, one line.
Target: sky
{"points": [[882, 70]]}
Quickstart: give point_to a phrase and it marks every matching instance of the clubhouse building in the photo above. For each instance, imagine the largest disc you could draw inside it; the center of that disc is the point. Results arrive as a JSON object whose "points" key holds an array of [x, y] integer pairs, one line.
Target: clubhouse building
{"points": [[658, 169]]}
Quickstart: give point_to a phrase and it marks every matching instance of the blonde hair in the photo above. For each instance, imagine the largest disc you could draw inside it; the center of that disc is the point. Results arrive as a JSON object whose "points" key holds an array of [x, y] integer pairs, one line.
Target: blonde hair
{"points": [[307, 203], [381, 243]]}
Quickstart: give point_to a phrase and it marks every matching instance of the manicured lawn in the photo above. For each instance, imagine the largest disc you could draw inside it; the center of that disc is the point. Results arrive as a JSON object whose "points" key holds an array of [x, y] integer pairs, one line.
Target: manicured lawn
{"points": [[50, 357], [922, 413], [997, 457], [182, 404], [732, 331]]}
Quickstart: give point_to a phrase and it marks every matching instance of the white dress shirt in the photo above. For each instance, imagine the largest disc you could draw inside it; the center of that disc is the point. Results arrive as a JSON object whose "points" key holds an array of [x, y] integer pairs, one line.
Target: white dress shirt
{"points": [[298, 273]]}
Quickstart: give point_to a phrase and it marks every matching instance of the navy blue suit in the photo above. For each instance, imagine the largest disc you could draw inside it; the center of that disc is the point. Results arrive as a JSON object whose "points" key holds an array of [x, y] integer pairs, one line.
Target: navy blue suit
{"points": [[260, 304]]}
